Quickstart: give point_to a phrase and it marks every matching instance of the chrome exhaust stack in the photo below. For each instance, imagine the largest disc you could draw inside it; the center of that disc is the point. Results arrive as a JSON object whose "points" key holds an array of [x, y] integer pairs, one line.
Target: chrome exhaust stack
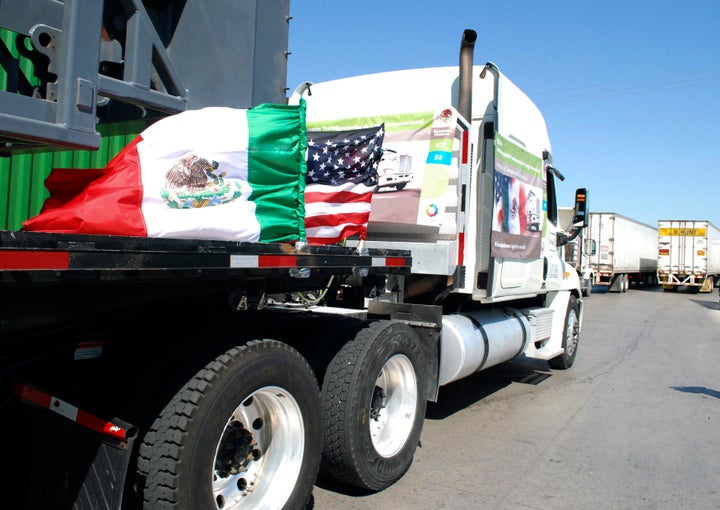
{"points": [[467, 47]]}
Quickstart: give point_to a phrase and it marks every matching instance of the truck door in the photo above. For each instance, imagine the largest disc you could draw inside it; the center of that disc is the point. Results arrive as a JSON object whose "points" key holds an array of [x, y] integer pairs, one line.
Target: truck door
{"points": [[518, 218]]}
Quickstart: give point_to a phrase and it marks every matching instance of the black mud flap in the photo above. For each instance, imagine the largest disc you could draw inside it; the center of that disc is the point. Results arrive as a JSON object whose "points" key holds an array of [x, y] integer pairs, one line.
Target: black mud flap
{"points": [[104, 482], [56, 464]]}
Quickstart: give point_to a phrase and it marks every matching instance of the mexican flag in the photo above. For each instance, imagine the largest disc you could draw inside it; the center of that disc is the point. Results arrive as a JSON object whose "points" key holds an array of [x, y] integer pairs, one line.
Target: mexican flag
{"points": [[214, 173]]}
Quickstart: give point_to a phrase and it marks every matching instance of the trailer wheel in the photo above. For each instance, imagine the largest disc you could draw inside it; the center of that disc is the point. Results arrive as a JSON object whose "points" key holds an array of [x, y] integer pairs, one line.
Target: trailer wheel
{"points": [[571, 336], [374, 406], [244, 433]]}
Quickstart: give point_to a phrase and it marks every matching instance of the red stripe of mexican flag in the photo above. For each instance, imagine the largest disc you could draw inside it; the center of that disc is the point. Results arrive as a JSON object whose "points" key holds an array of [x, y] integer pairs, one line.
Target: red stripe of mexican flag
{"points": [[214, 173], [94, 201]]}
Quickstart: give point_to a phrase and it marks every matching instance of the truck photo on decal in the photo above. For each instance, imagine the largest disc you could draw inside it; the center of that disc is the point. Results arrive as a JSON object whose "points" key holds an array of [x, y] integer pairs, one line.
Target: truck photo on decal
{"points": [[395, 171], [534, 212]]}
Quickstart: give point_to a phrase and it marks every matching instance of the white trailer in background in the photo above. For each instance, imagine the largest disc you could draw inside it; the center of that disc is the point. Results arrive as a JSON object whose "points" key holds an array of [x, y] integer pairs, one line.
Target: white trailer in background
{"points": [[688, 254], [626, 251]]}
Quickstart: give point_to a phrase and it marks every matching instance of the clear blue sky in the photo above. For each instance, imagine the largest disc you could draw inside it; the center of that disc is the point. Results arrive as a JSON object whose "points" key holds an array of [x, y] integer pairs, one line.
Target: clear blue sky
{"points": [[630, 90]]}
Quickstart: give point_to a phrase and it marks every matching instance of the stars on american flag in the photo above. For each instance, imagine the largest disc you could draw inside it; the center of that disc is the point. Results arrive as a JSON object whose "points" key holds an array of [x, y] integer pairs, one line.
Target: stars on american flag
{"points": [[337, 157], [502, 183]]}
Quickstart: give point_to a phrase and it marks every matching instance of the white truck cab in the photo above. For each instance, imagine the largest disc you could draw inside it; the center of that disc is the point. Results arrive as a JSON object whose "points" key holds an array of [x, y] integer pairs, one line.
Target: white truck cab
{"points": [[483, 211]]}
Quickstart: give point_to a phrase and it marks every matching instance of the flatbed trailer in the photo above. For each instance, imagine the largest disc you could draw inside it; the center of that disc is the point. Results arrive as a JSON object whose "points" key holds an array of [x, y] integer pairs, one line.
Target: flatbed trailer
{"points": [[80, 266], [99, 332]]}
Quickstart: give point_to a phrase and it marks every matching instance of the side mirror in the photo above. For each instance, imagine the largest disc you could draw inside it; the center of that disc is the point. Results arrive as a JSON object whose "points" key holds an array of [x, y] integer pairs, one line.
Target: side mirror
{"points": [[561, 239], [580, 218]]}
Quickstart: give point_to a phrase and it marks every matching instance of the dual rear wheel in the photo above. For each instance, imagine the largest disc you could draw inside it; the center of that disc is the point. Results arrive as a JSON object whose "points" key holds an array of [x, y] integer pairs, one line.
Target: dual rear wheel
{"points": [[250, 429], [246, 432]]}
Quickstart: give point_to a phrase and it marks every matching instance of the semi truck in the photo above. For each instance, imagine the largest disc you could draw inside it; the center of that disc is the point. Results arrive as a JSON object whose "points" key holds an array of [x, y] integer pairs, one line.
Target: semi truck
{"points": [[578, 251], [688, 255], [626, 251], [142, 372]]}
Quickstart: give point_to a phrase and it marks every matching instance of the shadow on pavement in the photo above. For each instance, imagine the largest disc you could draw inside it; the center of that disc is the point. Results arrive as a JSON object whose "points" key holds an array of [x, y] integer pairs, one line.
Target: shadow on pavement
{"points": [[327, 482], [702, 390], [712, 305], [461, 394]]}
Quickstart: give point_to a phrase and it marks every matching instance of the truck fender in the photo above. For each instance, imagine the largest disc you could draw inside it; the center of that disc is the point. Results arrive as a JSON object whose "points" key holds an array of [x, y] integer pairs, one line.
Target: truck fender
{"points": [[558, 302]]}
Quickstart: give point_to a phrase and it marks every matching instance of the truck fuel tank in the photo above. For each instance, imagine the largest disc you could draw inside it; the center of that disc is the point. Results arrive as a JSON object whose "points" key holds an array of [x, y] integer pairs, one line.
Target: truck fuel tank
{"points": [[476, 340]]}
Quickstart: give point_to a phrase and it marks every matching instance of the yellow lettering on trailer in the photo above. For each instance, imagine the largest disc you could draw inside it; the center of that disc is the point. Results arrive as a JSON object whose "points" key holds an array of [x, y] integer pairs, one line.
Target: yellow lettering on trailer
{"points": [[696, 232]]}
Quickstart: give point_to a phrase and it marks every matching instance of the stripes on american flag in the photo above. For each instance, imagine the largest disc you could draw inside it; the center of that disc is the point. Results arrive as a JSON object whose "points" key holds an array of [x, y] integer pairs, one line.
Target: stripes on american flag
{"points": [[341, 177]]}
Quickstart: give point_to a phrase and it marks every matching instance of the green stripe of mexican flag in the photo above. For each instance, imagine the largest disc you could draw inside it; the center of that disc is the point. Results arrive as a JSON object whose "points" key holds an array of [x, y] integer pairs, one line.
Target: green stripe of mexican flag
{"points": [[277, 168]]}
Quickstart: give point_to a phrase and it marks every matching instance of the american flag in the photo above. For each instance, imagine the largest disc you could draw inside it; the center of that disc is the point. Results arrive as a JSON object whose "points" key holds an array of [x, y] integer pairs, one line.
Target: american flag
{"points": [[341, 177]]}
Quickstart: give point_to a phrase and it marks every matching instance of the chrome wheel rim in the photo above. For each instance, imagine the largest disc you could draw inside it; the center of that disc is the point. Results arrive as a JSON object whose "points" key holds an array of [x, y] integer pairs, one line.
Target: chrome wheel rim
{"points": [[259, 455], [393, 406], [573, 333]]}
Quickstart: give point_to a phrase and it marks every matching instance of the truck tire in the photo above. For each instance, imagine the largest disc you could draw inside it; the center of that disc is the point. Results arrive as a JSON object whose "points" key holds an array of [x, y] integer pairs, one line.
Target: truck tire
{"points": [[373, 406], [587, 289], [571, 336], [244, 433]]}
